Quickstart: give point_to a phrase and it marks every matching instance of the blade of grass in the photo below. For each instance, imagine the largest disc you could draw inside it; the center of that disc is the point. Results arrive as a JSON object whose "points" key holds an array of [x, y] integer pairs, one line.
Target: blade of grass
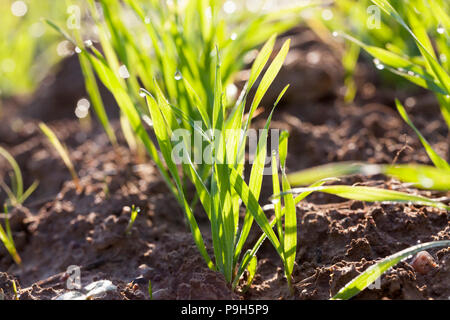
{"points": [[372, 194], [290, 223], [134, 214], [438, 161], [18, 180], [366, 278], [62, 151], [422, 176], [252, 253], [166, 149], [7, 240]]}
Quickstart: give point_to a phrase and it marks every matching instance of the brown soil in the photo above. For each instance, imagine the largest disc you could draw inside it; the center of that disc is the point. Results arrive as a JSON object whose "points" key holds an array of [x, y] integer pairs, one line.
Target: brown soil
{"points": [[58, 227]]}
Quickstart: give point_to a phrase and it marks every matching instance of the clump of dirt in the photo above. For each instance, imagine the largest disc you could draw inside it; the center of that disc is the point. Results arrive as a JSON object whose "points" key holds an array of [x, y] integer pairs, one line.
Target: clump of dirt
{"points": [[59, 228]]}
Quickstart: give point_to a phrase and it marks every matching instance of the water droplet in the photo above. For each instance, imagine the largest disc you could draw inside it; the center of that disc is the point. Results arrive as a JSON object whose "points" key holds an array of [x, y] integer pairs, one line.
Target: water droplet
{"points": [[411, 73], [77, 50], [178, 76], [410, 102], [327, 14], [83, 103], [378, 64], [233, 36], [231, 92], [371, 169], [313, 57], [147, 120], [142, 94], [81, 113], [37, 29], [19, 8], [147, 20], [229, 7], [82, 109], [440, 30], [426, 182], [123, 72], [88, 43], [335, 34]]}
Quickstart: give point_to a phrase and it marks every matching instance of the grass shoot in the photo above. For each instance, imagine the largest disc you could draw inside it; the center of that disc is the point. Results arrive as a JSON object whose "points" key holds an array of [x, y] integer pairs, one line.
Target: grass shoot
{"points": [[62, 151], [134, 213], [7, 239], [16, 194]]}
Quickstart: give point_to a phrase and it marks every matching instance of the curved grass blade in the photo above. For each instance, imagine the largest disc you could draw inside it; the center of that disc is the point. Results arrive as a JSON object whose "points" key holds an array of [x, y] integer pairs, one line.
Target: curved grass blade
{"points": [[252, 204], [432, 63], [374, 272], [256, 177], [164, 142], [62, 151], [371, 194], [246, 260], [422, 176], [290, 222], [18, 180], [6, 238], [401, 66], [251, 269], [437, 160]]}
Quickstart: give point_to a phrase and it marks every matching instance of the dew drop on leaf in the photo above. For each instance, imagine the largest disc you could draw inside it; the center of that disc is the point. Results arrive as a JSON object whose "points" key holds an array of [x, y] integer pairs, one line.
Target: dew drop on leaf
{"points": [[178, 76]]}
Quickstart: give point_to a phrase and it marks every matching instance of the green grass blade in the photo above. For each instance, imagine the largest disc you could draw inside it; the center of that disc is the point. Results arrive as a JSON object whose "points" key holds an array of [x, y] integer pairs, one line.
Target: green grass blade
{"points": [[261, 60], [62, 151], [18, 180], [422, 176], [7, 240], [252, 204], [374, 272], [247, 258], [277, 203], [432, 63], [251, 269], [134, 214], [290, 223], [401, 66], [255, 182], [268, 78], [371, 194], [29, 191], [437, 160], [164, 142]]}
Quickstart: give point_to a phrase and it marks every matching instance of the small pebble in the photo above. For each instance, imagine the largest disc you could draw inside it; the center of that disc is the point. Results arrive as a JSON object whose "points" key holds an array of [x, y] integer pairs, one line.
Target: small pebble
{"points": [[423, 262]]}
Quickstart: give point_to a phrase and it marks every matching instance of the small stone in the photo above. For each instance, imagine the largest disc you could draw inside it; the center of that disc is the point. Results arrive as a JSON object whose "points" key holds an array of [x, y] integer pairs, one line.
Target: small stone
{"points": [[423, 263], [99, 288], [71, 295]]}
